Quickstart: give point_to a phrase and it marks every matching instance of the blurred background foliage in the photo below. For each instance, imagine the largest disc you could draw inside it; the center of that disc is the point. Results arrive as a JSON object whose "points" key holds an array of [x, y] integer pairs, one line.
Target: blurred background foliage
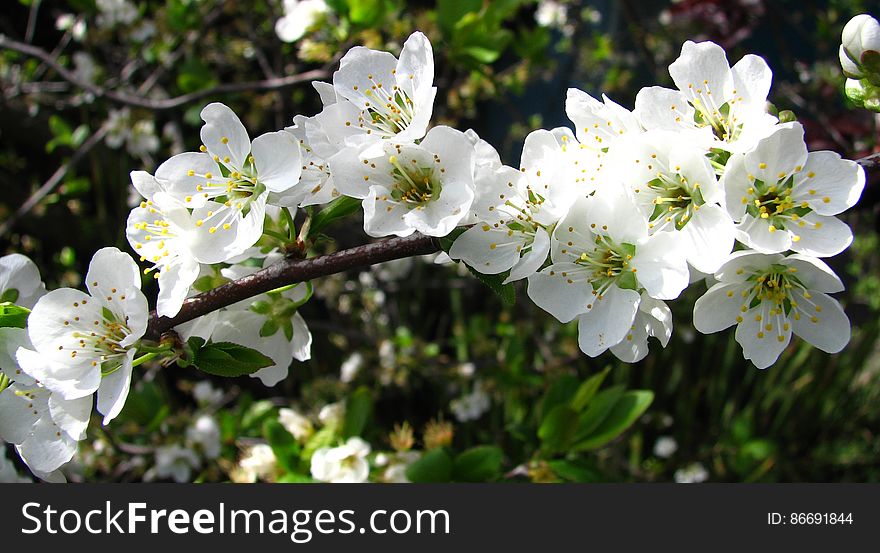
{"points": [[414, 350]]}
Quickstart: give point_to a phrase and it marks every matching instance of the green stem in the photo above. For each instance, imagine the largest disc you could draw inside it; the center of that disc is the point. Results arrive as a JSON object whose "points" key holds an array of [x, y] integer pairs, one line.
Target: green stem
{"points": [[144, 358], [277, 235], [4, 382], [291, 226]]}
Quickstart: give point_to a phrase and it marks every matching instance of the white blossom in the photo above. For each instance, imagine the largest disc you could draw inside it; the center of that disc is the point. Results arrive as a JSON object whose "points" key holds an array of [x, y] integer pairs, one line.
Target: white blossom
{"points": [[694, 473], [603, 258], [471, 406], [675, 186], [85, 343], [176, 462], [517, 210], [769, 297], [229, 183], [665, 447], [785, 198], [722, 107], [43, 426], [268, 323], [346, 463], [20, 281], [377, 97], [258, 462], [427, 187], [298, 425], [299, 16], [205, 433]]}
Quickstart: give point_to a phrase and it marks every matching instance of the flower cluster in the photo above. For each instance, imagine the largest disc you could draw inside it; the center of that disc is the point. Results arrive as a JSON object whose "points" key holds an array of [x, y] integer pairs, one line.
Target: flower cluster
{"points": [[860, 60], [604, 222], [77, 346], [633, 206]]}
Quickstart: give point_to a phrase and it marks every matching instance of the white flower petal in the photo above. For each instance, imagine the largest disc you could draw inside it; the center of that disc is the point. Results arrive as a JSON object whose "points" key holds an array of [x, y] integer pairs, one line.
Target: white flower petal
{"points": [[608, 322], [719, 307], [383, 216], [44, 450], [562, 290], [708, 238], [814, 273], [822, 236], [828, 183], [487, 250], [302, 339], [823, 324], [661, 266], [224, 136], [114, 389], [533, 259], [760, 345], [71, 416], [278, 160]]}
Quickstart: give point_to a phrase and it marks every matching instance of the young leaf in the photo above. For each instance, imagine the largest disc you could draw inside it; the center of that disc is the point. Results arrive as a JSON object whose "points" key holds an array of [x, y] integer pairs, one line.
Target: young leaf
{"points": [[12, 315], [596, 411], [228, 359], [626, 411], [558, 428], [446, 241], [587, 390], [358, 409], [496, 283], [478, 464], [335, 210], [434, 466], [283, 444]]}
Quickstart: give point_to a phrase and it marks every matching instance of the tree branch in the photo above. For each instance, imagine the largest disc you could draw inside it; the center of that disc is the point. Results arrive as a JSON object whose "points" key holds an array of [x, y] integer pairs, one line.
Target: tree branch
{"points": [[54, 180], [158, 104], [291, 271]]}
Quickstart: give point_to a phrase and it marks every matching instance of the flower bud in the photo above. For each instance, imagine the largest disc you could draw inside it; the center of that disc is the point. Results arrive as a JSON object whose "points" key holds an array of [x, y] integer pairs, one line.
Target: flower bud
{"points": [[860, 50]]}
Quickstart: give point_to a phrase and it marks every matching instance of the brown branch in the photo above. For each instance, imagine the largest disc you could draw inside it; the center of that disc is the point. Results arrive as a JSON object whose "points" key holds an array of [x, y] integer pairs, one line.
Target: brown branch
{"points": [[158, 104], [871, 165], [54, 180], [291, 271]]}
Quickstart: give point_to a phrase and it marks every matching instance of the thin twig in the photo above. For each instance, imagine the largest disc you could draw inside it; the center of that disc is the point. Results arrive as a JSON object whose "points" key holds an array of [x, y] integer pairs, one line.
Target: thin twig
{"points": [[166, 103], [54, 180]]}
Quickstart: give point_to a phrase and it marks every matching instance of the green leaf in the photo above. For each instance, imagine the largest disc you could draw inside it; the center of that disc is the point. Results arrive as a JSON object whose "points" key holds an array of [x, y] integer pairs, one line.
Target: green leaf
{"points": [[323, 438], [560, 392], [587, 390], [558, 428], [269, 328], [478, 464], [283, 444], [335, 210], [575, 472], [433, 466], [631, 405], [450, 12], [253, 417], [229, 360], [12, 315], [446, 241], [506, 292], [599, 408], [358, 409]]}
